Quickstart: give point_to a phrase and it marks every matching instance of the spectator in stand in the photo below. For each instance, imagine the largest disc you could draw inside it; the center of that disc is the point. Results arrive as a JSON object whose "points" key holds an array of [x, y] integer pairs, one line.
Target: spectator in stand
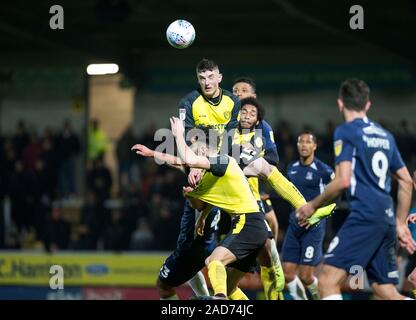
{"points": [[68, 147], [125, 159], [97, 141], [57, 231]]}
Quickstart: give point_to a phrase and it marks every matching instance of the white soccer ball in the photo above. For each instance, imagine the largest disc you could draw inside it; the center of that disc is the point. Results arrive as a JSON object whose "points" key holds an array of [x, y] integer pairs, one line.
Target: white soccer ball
{"points": [[180, 34]]}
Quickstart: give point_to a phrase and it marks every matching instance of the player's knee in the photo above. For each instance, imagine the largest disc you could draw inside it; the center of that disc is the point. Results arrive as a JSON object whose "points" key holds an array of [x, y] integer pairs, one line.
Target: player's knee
{"points": [[265, 255], [290, 273], [306, 276], [326, 280], [267, 168]]}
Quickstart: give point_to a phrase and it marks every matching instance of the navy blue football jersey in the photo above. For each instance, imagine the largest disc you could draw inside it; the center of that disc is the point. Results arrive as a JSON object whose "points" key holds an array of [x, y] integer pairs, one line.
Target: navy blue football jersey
{"points": [[310, 179], [374, 155]]}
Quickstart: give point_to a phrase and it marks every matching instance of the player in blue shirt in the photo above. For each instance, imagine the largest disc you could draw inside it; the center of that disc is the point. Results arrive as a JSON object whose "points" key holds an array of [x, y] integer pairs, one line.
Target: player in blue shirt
{"points": [[365, 156], [302, 248]]}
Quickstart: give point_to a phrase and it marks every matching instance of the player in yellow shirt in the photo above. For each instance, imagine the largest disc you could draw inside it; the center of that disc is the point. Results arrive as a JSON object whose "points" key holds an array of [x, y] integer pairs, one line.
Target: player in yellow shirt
{"points": [[271, 271], [245, 87], [223, 185]]}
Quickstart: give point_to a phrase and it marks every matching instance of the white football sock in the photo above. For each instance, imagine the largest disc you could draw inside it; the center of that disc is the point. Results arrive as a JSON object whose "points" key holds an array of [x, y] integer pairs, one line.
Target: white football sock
{"points": [[313, 289], [333, 297], [199, 285], [297, 290]]}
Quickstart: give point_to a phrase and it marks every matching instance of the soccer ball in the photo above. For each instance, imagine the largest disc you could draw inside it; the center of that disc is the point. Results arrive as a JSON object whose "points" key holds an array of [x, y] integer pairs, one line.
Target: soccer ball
{"points": [[180, 34]]}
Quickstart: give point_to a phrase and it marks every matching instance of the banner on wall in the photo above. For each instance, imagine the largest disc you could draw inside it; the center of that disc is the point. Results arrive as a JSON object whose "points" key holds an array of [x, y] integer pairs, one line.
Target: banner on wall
{"points": [[81, 269]]}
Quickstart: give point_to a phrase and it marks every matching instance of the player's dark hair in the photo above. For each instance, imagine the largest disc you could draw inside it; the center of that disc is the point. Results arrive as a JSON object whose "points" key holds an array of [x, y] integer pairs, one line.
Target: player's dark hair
{"points": [[355, 94], [247, 80], [212, 138], [205, 65], [256, 103], [310, 133]]}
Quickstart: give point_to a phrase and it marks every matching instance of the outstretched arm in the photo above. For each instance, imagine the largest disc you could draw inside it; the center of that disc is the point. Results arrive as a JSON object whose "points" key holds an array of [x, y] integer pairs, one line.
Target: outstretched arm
{"points": [[342, 180], [404, 198], [162, 157], [187, 156]]}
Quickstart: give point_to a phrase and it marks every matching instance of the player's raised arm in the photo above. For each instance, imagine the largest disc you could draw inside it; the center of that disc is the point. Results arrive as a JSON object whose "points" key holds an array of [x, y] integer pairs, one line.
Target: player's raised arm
{"points": [[342, 180], [162, 157], [188, 157]]}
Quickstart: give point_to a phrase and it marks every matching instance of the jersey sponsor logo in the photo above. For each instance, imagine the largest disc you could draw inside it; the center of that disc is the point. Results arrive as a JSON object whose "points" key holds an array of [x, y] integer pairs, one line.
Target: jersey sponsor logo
{"points": [[337, 147], [309, 176], [227, 115], [258, 142], [292, 172], [389, 212]]}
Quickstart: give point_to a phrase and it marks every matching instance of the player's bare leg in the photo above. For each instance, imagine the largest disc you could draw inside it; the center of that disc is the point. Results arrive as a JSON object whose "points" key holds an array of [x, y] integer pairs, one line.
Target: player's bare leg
{"points": [[273, 224], [387, 292], [330, 282], [233, 278], [310, 282], [294, 285]]}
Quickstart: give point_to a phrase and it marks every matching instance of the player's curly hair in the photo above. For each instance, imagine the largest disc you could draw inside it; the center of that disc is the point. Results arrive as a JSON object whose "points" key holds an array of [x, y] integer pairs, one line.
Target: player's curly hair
{"points": [[256, 103], [355, 94]]}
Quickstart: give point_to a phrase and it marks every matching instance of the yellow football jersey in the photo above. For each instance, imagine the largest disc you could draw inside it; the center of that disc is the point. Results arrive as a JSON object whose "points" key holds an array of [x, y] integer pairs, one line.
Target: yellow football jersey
{"points": [[244, 136], [226, 187], [219, 113]]}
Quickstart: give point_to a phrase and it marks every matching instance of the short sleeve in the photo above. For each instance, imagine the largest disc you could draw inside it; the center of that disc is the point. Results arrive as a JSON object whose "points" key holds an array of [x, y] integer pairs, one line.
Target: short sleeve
{"points": [[396, 162], [268, 136], [328, 174], [219, 165], [235, 115], [185, 113], [343, 148]]}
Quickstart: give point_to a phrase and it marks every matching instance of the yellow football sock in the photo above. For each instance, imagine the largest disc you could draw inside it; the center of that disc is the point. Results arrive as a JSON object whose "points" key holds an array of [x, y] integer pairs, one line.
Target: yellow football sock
{"points": [[269, 280], [285, 189], [218, 277], [238, 294]]}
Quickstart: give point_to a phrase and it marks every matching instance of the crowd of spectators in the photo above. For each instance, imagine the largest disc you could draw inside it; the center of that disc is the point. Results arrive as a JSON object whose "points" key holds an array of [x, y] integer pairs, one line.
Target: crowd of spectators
{"points": [[38, 176]]}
